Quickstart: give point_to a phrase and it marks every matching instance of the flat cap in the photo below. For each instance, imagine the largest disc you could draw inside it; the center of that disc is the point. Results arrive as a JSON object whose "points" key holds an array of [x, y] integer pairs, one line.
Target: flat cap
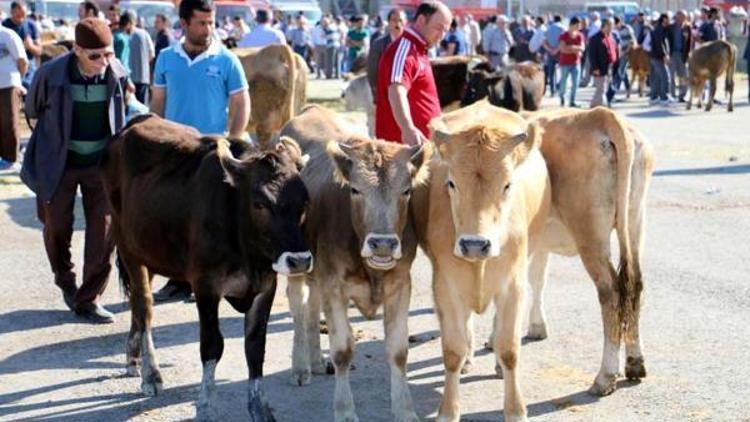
{"points": [[93, 33]]}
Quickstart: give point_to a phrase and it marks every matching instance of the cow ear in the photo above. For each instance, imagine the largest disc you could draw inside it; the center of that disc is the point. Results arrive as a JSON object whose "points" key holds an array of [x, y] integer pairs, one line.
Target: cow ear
{"points": [[525, 142], [233, 168], [342, 161], [419, 156], [292, 148]]}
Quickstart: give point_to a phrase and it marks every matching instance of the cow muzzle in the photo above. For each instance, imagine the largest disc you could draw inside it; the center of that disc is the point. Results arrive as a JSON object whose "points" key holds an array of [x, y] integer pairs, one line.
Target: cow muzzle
{"points": [[291, 263], [382, 251], [473, 248]]}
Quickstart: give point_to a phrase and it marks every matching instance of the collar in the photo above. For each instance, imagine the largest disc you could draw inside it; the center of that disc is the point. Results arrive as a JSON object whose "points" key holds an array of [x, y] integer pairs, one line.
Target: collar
{"points": [[213, 49], [414, 36]]}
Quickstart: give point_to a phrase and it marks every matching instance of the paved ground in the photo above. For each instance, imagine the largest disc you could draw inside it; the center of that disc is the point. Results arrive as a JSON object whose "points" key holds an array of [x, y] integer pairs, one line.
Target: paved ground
{"points": [[695, 320]]}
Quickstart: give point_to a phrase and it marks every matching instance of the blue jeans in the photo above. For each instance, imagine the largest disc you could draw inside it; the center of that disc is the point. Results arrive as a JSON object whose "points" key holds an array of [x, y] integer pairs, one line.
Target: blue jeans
{"points": [[659, 79], [575, 72], [550, 68]]}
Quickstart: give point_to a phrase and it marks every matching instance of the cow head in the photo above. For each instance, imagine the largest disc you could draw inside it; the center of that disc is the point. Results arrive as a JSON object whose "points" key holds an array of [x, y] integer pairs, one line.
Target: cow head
{"points": [[380, 177], [483, 82], [481, 146], [271, 203]]}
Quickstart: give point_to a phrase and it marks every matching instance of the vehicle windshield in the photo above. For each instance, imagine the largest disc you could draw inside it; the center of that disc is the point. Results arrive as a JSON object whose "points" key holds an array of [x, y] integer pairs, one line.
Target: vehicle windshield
{"points": [[59, 10]]}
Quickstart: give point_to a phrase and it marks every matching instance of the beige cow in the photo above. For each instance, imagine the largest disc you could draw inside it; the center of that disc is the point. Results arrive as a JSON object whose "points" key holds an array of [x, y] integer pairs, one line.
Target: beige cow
{"points": [[278, 79], [484, 209], [600, 168], [358, 228]]}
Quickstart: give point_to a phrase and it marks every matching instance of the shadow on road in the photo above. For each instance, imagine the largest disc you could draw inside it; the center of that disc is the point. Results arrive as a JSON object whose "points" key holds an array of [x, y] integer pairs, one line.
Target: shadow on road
{"points": [[705, 171], [22, 211]]}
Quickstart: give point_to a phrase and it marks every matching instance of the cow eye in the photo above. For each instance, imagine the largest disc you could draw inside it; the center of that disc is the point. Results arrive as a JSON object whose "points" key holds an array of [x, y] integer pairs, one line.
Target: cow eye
{"points": [[406, 192], [259, 206], [451, 185], [355, 191], [505, 190]]}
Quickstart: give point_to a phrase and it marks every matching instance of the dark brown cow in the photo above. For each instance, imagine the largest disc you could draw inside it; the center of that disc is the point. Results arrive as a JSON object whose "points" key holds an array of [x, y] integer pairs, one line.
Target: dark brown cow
{"points": [[451, 76], [639, 68], [518, 87], [707, 63], [184, 207]]}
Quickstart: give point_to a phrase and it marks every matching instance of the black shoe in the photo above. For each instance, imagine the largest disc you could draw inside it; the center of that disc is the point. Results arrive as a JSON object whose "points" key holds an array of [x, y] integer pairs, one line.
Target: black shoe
{"points": [[69, 296], [173, 291], [574, 105], [95, 313], [562, 102]]}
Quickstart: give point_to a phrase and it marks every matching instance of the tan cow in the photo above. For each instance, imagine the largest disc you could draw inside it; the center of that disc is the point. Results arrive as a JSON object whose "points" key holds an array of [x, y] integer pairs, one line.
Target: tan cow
{"points": [[639, 68], [486, 205], [707, 63], [363, 242], [600, 168], [278, 79]]}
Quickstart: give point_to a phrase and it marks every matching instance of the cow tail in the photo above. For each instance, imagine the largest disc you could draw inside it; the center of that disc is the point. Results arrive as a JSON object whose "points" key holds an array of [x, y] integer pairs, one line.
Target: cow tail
{"points": [[628, 277], [729, 81], [123, 274], [289, 106]]}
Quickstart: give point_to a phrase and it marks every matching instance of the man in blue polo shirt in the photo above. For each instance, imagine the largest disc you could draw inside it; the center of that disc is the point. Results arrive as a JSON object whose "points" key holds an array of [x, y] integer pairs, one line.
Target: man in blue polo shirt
{"points": [[197, 82]]}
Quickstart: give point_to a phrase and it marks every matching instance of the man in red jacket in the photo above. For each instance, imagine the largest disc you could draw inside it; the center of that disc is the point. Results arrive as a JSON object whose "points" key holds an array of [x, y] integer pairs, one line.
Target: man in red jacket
{"points": [[602, 55], [406, 96]]}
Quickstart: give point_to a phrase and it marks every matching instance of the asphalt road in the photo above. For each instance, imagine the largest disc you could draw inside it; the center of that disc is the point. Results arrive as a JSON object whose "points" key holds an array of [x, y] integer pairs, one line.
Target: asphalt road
{"points": [[694, 323]]}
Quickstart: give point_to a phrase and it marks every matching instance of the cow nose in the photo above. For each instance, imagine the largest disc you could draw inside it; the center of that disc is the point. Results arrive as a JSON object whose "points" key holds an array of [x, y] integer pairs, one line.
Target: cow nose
{"points": [[475, 248], [299, 263], [383, 245]]}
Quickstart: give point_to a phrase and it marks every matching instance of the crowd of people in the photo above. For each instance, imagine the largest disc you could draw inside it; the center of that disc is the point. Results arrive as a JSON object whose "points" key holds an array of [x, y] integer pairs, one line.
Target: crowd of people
{"points": [[81, 98]]}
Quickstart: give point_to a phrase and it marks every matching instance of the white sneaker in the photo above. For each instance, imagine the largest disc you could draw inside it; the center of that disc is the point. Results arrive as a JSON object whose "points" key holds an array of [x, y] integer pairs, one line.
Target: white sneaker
{"points": [[653, 102], [666, 102]]}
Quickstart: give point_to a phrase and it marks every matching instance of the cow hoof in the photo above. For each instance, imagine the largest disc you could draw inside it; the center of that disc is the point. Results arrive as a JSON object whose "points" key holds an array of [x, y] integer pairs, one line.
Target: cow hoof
{"points": [[468, 366], [635, 369], [604, 385], [499, 371], [730, 109], [259, 410], [537, 332], [300, 377], [152, 388], [325, 367], [349, 416], [132, 370], [515, 418], [205, 414]]}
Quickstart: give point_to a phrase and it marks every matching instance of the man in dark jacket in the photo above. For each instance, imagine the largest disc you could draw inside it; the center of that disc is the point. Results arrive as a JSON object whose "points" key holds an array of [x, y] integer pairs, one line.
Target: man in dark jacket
{"points": [[680, 39], [79, 101], [396, 22], [602, 55], [746, 56], [659, 59]]}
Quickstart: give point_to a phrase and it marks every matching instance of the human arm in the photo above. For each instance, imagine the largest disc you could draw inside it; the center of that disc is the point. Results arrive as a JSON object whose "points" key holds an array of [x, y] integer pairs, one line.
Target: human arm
{"points": [[397, 97], [239, 114], [158, 98]]}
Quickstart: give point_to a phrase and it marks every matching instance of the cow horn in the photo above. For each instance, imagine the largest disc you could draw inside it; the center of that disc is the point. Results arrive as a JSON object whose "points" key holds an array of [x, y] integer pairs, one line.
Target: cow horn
{"points": [[232, 166]]}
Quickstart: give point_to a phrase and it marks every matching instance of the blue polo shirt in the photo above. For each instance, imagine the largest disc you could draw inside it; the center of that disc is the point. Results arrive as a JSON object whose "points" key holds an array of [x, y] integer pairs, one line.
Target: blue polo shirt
{"points": [[198, 90]]}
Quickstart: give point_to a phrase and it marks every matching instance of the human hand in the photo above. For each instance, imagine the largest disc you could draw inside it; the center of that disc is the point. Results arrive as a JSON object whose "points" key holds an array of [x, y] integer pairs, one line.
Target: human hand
{"points": [[412, 136]]}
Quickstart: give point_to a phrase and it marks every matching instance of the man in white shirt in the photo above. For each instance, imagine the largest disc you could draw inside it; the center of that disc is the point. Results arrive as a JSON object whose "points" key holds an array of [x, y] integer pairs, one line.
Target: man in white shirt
{"points": [[319, 44], [263, 34], [13, 65]]}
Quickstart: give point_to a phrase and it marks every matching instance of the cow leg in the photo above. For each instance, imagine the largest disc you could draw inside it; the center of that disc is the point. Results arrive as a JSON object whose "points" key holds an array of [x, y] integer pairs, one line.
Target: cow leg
{"points": [[730, 89], [596, 261], [140, 345], [690, 97], [469, 363], [508, 320], [711, 94], [454, 320], [634, 362], [538, 277], [701, 91], [211, 346], [256, 326], [298, 294], [317, 365], [396, 317], [342, 349]]}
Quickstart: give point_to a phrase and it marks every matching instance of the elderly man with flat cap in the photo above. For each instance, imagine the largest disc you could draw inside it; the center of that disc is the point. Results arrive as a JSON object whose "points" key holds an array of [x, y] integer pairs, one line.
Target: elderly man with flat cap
{"points": [[79, 101]]}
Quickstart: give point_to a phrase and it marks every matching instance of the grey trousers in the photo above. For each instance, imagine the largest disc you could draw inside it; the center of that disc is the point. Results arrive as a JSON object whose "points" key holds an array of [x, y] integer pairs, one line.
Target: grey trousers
{"points": [[677, 75], [659, 78], [600, 83]]}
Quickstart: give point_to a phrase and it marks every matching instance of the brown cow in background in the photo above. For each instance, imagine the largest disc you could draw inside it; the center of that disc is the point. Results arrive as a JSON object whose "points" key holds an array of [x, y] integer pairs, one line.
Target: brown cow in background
{"points": [[639, 67], [708, 62]]}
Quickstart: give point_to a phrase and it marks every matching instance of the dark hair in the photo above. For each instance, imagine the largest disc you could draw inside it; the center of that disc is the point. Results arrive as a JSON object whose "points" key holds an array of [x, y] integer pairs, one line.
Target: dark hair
{"points": [[261, 16], [161, 16], [574, 20], [91, 6], [15, 5], [126, 18], [663, 17], [617, 20], [187, 7], [492, 19], [426, 9], [454, 23], [540, 19], [557, 18], [393, 12]]}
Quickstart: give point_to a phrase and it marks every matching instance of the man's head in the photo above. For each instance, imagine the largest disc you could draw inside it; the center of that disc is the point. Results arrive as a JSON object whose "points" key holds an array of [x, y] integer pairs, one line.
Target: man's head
{"points": [[93, 46], [680, 17], [557, 18], [113, 14], [501, 21], [432, 21], [539, 20], [462, 20], [606, 26], [574, 24], [197, 18], [301, 22], [261, 16], [357, 22], [594, 16], [663, 20], [17, 12], [396, 22], [127, 21], [160, 22], [88, 9]]}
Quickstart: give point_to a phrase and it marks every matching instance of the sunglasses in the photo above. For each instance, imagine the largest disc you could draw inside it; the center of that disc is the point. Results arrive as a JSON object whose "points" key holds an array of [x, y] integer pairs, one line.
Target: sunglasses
{"points": [[96, 56]]}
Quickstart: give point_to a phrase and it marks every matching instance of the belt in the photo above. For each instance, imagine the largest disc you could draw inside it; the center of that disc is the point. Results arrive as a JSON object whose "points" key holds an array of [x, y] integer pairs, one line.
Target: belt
{"points": [[495, 53]]}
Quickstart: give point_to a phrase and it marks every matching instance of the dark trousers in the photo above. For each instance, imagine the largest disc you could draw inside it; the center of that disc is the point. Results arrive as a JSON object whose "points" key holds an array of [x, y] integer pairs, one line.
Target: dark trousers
{"points": [[58, 219], [748, 79], [141, 93], [10, 132], [550, 69]]}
